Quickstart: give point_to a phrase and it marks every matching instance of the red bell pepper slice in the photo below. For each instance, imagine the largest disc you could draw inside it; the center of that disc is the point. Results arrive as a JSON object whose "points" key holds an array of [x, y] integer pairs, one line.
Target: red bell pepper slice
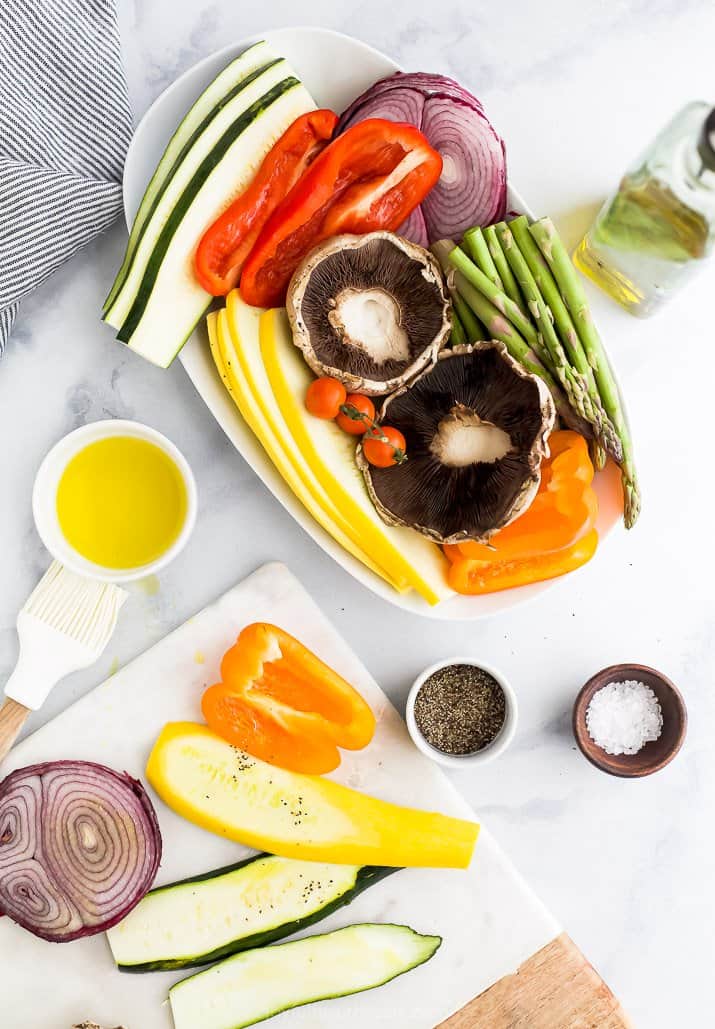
{"points": [[227, 243], [371, 177]]}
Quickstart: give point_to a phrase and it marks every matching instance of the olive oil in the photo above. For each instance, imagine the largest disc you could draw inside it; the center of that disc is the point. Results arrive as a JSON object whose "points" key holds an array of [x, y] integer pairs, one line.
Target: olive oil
{"points": [[658, 228], [121, 502]]}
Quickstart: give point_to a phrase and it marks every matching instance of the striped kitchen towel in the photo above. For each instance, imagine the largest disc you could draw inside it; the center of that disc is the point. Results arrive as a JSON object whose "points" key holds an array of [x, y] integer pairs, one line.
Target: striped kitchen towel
{"points": [[65, 125]]}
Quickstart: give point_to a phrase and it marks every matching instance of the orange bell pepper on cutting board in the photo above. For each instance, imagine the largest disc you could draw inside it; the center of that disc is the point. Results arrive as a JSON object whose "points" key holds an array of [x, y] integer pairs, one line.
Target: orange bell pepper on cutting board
{"points": [[279, 702]]}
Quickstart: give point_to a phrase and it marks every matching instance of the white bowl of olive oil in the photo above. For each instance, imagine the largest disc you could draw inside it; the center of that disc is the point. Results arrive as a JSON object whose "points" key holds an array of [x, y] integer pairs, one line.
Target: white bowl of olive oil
{"points": [[114, 500]]}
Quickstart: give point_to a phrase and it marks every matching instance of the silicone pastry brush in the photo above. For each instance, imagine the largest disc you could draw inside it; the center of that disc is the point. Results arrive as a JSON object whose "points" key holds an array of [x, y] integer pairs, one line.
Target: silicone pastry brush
{"points": [[65, 625]]}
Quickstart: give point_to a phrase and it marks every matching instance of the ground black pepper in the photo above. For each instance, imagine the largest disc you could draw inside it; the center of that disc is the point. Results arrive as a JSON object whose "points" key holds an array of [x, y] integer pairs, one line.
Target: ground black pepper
{"points": [[460, 709]]}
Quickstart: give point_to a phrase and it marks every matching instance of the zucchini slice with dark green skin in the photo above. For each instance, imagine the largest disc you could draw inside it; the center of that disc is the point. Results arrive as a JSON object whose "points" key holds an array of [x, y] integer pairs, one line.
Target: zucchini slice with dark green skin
{"points": [[250, 987], [210, 917], [184, 202], [235, 77]]}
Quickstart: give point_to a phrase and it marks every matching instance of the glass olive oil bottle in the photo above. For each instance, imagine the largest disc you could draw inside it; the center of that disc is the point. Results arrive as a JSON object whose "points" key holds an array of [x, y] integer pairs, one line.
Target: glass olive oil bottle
{"points": [[657, 229]]}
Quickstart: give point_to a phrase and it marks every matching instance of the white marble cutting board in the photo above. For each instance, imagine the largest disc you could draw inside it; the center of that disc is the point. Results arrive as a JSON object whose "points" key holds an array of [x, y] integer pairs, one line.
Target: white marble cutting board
{"points": [[489, 919]]}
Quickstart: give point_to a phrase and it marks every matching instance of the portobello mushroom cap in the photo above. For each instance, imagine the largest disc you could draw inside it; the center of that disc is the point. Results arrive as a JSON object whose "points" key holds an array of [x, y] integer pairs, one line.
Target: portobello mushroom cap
{"points": [[476, 428], [369, 310]]}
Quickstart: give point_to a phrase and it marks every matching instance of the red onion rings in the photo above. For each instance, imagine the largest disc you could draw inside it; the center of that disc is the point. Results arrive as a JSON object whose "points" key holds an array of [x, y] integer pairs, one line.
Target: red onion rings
{"points": [[79, 847]]}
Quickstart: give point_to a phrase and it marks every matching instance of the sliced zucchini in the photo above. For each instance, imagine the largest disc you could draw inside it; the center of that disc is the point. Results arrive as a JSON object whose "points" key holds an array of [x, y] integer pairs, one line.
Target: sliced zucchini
{"points": [[223, 87], [161, 300], [258, 984], [250, 904], [250, 90]]}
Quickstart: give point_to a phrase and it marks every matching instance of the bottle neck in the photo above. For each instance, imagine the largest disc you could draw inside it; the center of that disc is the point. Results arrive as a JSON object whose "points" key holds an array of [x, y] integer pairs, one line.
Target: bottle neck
{"points": [[696, 173]]}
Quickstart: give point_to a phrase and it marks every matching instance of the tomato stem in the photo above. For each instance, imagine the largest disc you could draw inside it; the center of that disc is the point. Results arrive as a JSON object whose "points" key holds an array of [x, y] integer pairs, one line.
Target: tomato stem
{"points": [[373, 430]]}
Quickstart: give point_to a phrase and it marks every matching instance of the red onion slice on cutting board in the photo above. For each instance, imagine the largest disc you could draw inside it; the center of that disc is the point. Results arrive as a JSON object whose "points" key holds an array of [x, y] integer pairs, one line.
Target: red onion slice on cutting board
{"points": [[79, 847]]}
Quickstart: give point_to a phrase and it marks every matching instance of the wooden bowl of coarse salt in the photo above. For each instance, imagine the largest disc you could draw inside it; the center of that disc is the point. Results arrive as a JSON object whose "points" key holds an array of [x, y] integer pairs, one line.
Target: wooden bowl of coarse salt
{"points": [[629, 720]]}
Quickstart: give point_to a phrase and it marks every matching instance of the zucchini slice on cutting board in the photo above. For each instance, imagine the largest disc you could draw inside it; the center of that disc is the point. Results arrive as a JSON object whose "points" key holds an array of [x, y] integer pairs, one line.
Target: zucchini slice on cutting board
{"points": [[257, 984], [160, 300], [255, 902]]}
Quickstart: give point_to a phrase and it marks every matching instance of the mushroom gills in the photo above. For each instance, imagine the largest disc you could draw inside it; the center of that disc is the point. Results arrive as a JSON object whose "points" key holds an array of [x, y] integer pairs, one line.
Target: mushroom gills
{"points": [[463, 438], [371, 320], [371, 311], [476, 427]]}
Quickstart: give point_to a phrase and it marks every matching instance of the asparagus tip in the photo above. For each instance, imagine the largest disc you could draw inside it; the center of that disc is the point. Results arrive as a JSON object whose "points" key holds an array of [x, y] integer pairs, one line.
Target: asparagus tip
{"points": [[631, 503]]}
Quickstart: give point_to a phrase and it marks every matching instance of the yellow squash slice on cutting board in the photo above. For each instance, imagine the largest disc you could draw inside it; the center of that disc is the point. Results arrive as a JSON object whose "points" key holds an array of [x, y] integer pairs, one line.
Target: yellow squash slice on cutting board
{"points": [[330, 452], [214, 785], [231, 369]]}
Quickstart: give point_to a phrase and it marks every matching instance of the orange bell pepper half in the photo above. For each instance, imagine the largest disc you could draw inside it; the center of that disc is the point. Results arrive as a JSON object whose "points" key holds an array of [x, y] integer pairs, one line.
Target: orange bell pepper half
{"points": [[227, 243], [474, 577], [371, 177], [564, 509], [555, 535], [282, 704]]}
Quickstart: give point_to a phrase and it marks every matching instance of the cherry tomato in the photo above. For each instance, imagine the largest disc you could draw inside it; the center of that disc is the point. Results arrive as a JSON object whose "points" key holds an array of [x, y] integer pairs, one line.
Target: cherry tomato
{"points": [[384, 448], [357, 426], [324, 397]]}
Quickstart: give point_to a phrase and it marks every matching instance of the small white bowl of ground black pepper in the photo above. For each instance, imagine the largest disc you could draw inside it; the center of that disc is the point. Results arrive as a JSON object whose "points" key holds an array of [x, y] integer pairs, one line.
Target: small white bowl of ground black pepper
{"points": [[461, 712]]}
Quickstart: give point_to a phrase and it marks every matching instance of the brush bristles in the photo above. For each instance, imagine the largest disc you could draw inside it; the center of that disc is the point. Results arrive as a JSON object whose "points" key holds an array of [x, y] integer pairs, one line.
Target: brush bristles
{"points": [[84, 609]]}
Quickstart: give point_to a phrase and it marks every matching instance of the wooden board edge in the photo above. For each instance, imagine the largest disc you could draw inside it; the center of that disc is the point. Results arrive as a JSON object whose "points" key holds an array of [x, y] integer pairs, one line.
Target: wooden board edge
{"points": [[556, 988]]}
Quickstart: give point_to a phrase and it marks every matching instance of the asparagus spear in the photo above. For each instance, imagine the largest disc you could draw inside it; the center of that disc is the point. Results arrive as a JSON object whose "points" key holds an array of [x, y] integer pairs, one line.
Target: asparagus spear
{"points": [[499, 328], [511, 287], [552, 297], [546, 237], [599, 455], [476, 246], [457, 336], [473, 328], [573, 384], [565, 327], [504, 304], [497, 325]]}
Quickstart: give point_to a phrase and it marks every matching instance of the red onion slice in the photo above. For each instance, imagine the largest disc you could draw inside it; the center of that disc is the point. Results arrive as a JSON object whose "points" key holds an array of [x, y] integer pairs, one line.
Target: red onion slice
{"points": [[425, 83], [403, 104], [79, 847], [472, 187], [415, 229]]}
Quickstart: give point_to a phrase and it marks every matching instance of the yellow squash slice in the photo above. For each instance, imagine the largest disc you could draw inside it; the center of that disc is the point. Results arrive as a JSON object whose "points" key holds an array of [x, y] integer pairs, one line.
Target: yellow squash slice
{"points": [[221, 789], [330, 452], [242, 322], [230, 369]]}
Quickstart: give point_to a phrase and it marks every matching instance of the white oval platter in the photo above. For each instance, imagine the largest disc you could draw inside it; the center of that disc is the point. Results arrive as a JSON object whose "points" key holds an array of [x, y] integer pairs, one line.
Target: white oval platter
{"points": [[335, 68]]}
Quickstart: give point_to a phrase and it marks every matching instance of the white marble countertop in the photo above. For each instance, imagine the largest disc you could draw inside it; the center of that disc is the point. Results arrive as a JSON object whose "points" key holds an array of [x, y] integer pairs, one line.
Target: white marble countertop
{"points": [[575, 89]]}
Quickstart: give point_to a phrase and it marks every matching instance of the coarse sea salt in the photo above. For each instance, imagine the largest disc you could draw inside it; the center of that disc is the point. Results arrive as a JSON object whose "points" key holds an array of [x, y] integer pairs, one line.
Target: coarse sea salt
{"points": [[623, 716]]}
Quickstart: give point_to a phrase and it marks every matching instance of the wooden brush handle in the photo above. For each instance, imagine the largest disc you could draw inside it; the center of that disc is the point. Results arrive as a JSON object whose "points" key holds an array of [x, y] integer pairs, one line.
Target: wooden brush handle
{"points": [[12, 719]]}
